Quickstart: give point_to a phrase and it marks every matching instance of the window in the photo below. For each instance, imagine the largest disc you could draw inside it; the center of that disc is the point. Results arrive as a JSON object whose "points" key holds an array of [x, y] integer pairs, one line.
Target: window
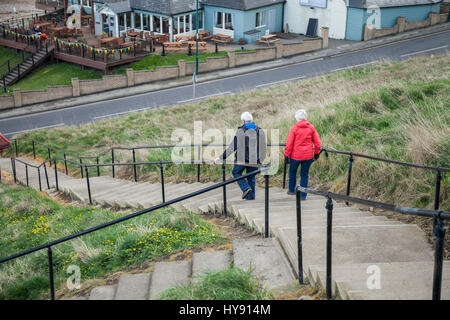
{"points": [[121, 21], [137, 21], [181, 19], [157, 24], [146, 23], [165, 25], [219, 20], [187, 20], [228, 21], [175, 25], [224, 20], [261, 18], [128, 19], [200, 20]]}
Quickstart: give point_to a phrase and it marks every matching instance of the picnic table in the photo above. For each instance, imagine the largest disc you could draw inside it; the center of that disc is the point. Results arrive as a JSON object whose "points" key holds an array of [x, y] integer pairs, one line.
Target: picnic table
{"points": [[56, 31], [193, 45], [109, 42], [133, 34], [222, 38], [173, 46], [184, 38], [159, 38], [204, 35], [126, 44], [268, 39]]}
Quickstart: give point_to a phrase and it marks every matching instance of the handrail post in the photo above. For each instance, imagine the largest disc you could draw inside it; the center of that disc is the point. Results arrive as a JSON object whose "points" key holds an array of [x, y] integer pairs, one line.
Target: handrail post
{"points": [[88, 184], [46, 176], [26, 174], [349, 178], [65, 164], [266, 205], [286, 161], [13, 166], [329, 208], [225, 212], [34, 149], [56, 176], [163, 194], [299, 235], [112, 160], [198, 165], [81, 168], [16, 147], [98, 168], [49, 155], [50, 269], [39, 178], [437, 195], [134, 166], [439, 232]]}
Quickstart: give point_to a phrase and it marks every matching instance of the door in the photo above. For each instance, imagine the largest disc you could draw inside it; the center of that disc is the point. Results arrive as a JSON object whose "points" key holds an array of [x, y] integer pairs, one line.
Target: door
{"points": [[272, 21]]}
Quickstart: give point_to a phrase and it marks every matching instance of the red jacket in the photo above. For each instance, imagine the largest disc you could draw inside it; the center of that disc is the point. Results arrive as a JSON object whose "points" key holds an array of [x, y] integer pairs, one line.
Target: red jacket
{"points": [[302, 142]]}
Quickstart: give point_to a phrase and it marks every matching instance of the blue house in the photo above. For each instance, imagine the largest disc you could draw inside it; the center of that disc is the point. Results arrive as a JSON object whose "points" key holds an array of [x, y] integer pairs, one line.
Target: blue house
{"points": [[248, 19]]}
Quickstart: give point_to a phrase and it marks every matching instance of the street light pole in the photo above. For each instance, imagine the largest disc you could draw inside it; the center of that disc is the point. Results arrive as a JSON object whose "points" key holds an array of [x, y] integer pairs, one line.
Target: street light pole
{"points": [[196, 40]]}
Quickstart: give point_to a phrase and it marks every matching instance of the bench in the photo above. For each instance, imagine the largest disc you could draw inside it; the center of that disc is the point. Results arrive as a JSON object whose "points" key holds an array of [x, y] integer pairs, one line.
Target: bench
{"points": [[222, 39]]}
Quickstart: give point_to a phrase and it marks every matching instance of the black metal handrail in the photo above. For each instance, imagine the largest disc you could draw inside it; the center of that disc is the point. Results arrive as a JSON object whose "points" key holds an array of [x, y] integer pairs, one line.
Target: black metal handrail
{"points": [[439, 232], [223, 185], [352, 155]]}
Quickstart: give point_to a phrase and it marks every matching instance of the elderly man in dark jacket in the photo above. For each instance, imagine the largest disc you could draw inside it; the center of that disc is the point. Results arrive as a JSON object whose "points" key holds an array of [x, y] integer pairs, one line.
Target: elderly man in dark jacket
{"points": [[249, 146]]}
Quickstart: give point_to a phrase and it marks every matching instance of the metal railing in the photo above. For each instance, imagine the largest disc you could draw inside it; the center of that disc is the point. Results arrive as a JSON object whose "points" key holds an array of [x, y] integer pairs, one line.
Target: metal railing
{"points": [[439, 232], [164, 204], [198, 148]]}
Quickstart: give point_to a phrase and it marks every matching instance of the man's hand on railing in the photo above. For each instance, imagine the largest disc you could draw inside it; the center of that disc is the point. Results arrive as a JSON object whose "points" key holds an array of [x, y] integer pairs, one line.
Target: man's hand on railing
{"points": [[217, 160]]}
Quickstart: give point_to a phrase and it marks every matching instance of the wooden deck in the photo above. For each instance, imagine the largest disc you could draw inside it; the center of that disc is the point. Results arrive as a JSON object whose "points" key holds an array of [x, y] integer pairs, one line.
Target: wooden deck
{"points": [[98, 64]]}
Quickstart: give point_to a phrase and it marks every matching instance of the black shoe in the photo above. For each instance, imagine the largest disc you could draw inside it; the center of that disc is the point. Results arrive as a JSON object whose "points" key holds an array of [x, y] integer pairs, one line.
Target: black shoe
{"points": [[291, 193], [246, 193]]}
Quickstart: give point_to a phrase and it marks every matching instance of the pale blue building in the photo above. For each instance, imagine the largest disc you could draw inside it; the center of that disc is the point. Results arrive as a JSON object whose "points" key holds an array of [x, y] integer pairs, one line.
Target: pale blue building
{"points": [[248, 19]]}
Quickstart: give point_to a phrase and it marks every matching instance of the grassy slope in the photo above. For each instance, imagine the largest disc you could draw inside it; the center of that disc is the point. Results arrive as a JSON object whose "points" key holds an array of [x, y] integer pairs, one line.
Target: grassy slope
{"points": [[386, 110], [152, 61], [54, 75], [28, 219], [62, 73], [11, 55]]}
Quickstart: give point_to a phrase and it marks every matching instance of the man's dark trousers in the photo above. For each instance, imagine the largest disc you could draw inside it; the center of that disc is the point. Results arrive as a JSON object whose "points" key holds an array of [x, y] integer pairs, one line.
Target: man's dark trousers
{"points": [[245, 184]]}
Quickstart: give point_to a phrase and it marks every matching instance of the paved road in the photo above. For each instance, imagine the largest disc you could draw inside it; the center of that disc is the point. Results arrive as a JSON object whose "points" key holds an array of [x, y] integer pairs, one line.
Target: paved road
{"points": [[438, 43]]}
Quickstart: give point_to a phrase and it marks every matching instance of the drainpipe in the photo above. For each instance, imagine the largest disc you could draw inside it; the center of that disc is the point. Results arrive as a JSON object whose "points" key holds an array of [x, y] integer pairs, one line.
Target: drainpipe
{"points": [[282, 18]]}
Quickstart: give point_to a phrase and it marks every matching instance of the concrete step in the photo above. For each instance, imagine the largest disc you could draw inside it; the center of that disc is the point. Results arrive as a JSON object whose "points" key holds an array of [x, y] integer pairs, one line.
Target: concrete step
{"points": [[266, 260], [133, 286], [206, 262], [357, 244], [169, 274], [395, 277], [103, 293]]}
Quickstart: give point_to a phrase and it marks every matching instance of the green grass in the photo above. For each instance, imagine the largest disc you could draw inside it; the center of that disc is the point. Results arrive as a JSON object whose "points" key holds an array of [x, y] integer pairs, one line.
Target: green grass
{"points": [[397, 110], [53, 75], [11, 55], [230, 284], [28, 219], [153, 60]]}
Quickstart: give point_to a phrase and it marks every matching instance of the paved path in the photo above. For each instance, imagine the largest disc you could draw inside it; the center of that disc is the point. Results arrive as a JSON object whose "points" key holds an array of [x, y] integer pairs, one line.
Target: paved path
{"points": [[373, 257], [120, 102]]}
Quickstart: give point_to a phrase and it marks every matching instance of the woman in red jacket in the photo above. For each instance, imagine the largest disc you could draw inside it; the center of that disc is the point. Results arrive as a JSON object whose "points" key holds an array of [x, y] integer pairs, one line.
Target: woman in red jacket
{"points": [[302, 147]]}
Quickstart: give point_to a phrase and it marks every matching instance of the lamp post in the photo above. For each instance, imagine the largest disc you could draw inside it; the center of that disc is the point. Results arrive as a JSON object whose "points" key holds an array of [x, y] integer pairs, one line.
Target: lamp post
{"points": [[196, 40]]}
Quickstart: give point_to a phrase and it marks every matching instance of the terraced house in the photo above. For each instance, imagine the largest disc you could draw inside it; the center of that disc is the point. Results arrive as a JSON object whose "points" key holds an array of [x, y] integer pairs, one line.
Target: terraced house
{"points": [[346, 18]]}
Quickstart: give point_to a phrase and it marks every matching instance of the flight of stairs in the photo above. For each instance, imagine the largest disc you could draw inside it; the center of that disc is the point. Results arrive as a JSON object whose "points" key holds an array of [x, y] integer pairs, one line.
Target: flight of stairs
{"points": [[270, 266], [26, 66], [373, 257]]}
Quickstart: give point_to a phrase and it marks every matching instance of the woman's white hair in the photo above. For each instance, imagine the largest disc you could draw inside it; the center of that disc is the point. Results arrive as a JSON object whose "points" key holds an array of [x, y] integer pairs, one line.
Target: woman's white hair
{"points": [[247, 117], [300, 115]]}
